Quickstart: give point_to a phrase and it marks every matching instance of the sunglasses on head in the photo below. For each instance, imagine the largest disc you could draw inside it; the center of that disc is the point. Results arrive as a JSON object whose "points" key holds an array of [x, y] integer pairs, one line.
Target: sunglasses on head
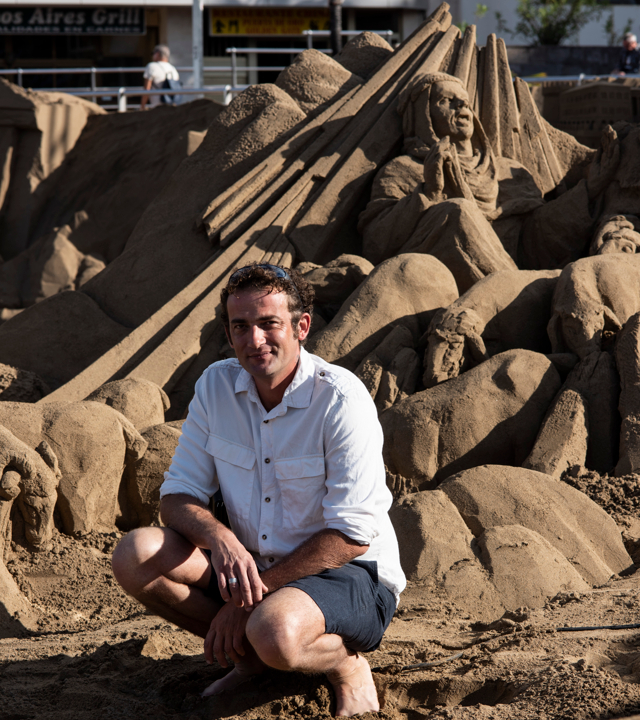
{"points": [[277, 271]]}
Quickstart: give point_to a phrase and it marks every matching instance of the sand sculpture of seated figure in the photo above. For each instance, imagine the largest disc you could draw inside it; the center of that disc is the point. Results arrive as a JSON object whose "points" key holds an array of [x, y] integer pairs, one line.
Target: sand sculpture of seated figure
{"points": [[450, 196]]}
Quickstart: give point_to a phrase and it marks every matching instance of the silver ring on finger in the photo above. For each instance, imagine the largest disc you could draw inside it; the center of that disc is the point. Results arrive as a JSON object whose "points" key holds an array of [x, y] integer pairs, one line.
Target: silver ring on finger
{"points": [[232, 581]]}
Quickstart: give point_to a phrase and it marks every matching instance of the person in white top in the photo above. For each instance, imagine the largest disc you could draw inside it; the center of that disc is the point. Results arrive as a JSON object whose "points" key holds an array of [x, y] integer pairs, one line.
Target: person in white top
{"points": [[156, 72], [307, 575]]}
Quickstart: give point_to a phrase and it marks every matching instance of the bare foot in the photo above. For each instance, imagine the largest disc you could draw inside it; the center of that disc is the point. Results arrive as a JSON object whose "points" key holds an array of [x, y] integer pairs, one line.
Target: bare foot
{"points": [[354, 687], [239, 674]]}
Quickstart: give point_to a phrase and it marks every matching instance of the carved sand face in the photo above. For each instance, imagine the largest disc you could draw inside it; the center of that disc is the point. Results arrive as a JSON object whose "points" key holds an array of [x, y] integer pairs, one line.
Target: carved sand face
{"points": [[450, 111], [38, 519], [618, 235], [444, 358], [619, 244]]}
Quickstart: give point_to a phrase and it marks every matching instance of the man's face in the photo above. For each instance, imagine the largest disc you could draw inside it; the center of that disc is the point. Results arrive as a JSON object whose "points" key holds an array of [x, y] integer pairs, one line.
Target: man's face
{"points": [[262, 334], [450, 111], [630, 44]]}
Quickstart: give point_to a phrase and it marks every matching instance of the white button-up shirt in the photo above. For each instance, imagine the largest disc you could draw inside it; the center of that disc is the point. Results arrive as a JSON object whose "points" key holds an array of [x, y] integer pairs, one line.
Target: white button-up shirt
{"points": [[312, 462]]}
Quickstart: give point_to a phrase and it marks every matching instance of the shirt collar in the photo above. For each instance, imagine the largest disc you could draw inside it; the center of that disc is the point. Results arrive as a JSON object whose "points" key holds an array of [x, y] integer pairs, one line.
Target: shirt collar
{"points": [[297, 395]]}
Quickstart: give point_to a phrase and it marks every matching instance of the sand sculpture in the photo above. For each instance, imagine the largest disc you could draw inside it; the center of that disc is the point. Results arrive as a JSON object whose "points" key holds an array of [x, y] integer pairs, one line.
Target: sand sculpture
{"points": [[443, 194], [393, 294], [501, 508], [38, 130], [27, 499], [71, 229], [92, 443], [494, 347], [506, 310], [594, 297]]}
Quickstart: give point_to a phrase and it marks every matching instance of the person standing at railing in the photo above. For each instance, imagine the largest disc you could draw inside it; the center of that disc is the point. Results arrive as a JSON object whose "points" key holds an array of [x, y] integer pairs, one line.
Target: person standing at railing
{"points": [[629, 61], [156, 73]]}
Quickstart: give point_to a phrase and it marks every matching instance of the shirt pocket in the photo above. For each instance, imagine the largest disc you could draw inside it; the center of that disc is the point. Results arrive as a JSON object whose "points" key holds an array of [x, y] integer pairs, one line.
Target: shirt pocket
{"points": [[236, 475], [302, 488]]}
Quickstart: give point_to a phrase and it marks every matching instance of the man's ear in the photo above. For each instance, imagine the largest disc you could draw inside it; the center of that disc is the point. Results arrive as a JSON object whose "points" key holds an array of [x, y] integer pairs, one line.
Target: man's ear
{"points": [[226, 332], [304, 325]]}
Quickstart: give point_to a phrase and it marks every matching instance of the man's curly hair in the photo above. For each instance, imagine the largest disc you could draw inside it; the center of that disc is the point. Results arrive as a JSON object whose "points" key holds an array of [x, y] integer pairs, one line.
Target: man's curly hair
{"points": [[300, 294]]}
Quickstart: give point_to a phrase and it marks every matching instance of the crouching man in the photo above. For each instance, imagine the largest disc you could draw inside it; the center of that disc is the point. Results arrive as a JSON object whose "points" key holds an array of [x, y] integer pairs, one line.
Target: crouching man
{"points": [[308, 575]]}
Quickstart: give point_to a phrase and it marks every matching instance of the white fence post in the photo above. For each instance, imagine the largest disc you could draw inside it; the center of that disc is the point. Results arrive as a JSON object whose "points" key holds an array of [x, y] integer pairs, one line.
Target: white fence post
{"points": [[234, 66], [122, 100], [197, 53]]}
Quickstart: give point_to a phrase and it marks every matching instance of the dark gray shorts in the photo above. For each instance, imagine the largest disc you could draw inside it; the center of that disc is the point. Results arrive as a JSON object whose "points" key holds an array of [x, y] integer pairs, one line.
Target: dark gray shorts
{"points": [[354, 603]]}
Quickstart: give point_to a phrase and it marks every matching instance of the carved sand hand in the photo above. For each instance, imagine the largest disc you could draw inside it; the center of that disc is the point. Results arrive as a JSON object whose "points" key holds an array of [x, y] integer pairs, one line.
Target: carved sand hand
{"points": [[434, 169]]}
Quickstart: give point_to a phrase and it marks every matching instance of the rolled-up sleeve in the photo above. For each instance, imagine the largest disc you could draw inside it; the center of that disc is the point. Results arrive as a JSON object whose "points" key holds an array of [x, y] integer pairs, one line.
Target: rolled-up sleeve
{"points": [[192, 469], [357, 495]]}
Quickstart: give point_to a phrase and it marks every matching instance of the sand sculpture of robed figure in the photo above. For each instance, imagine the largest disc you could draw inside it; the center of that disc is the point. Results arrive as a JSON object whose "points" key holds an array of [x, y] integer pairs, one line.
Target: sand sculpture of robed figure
{"points": [[450, 196]]}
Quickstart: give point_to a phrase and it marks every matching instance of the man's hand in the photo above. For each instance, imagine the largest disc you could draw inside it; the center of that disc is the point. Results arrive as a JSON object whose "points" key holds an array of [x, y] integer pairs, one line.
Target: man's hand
{"points": [[605, 164], [230, 559], [226, 635], [434, 163]]}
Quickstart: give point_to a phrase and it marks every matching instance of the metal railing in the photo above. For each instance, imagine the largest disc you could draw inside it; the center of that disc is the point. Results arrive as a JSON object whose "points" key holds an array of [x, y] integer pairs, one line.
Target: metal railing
{"points": [[91, 71], [234, 52], [345, 33], [122, 93], [575, 78]]}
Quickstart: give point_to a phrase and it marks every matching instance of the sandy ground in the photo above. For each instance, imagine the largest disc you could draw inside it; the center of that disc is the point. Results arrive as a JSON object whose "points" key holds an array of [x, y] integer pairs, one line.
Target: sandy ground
{"points": [[97, 654]]}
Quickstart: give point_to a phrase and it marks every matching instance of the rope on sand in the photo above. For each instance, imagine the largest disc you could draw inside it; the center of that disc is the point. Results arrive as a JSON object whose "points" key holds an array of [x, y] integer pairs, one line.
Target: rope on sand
{"points": [[634, 626]]}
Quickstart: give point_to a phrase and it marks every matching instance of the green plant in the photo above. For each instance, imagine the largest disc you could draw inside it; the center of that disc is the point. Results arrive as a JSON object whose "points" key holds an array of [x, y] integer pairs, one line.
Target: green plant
{"points": [[551, 22], [614, 38], [480, 11]]}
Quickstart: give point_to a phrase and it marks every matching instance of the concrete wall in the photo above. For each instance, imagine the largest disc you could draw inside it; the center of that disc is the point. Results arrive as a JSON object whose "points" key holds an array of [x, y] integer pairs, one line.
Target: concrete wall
{"points": [[562, 60]]}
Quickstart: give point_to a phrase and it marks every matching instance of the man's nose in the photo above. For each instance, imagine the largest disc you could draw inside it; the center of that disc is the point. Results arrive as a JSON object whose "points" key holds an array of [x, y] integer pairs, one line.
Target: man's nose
{"points": [[256, 336]]}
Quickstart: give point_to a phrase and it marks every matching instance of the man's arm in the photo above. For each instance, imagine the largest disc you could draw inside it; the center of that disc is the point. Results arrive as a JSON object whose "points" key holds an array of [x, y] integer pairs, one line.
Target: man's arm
{"points": [[148, 82], [326, 550], [229, 558]]}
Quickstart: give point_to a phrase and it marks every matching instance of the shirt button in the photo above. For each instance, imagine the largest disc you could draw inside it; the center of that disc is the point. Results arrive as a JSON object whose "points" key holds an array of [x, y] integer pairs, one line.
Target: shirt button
{"points": [[265, 421], [271, 559], [267, 499], [267, 460], [321, 374], [264, 537]]}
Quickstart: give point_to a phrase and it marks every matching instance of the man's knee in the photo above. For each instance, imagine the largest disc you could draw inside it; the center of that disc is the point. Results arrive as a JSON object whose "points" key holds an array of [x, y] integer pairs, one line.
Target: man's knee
{"points": [[136, 549], [276, 636]]}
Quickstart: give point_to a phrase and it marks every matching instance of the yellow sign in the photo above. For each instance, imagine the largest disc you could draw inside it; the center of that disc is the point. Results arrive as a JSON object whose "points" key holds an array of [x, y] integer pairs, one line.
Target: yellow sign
{"points": [[266, 21]]}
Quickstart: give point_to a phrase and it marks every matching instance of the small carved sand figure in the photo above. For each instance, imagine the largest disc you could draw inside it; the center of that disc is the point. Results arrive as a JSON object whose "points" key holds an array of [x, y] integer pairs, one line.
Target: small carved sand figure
{"points": [[29, 477]]}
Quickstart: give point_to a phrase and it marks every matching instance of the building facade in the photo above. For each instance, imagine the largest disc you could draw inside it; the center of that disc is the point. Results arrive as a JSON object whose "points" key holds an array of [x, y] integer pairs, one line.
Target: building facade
{"points": [[122, 33], [86, 33]]}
